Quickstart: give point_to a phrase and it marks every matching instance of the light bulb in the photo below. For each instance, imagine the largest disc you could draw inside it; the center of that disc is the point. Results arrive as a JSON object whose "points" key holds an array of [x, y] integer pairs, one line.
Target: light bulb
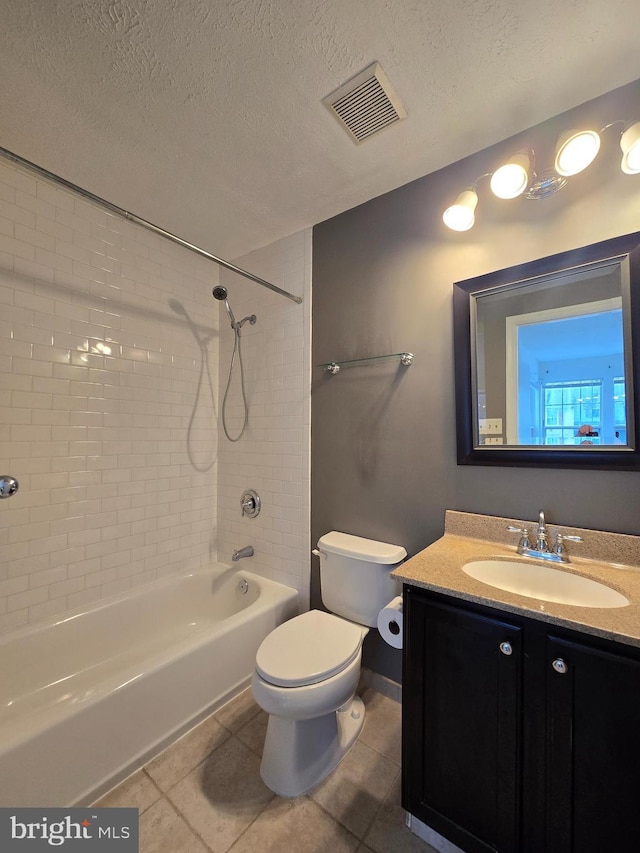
{"points": [[512, 179], [460, 215], [630, 144], [576, 149]]}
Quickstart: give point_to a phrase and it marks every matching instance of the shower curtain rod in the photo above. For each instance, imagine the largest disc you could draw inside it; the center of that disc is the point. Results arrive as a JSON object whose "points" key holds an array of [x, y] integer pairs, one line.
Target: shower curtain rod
{"points": [[9, 155]]}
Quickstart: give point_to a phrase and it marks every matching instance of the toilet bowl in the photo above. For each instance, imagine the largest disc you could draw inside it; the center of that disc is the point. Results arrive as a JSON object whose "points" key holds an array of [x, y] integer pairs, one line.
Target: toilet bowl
{"points": [[308, 669], [314, 714]]}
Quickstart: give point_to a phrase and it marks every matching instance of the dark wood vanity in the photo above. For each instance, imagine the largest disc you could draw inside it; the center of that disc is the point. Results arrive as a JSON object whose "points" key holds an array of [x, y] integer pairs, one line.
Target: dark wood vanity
{"points": [[520, 716], [518, 735]]}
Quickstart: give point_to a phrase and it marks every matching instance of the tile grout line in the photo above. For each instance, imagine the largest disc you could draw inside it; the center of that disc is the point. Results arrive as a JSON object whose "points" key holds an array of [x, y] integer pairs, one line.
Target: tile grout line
{"points": [[378, 809], [156, 787], [193, 767], [183, 818], [329, 815], [381, 806], [186, 820], [246, 829], [198, 764]]}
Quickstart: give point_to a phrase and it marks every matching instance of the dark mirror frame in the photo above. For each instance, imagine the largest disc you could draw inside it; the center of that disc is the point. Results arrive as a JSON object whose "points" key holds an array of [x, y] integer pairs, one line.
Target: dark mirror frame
{"points": [[560, 457]]}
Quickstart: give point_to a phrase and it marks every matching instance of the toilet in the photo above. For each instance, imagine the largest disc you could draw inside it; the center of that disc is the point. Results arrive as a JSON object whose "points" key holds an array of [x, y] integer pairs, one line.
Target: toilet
{"points": [[307, 669]]}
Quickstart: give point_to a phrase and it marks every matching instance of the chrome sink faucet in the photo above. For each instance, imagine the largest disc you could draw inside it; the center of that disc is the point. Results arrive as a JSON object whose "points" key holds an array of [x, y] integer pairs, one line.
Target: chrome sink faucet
{"points": [[541, 549], [542, 540]]}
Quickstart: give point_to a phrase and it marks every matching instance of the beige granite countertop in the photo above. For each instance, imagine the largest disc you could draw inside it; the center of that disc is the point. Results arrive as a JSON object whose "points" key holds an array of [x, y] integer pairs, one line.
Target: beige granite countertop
{"points": [[468, 536]]}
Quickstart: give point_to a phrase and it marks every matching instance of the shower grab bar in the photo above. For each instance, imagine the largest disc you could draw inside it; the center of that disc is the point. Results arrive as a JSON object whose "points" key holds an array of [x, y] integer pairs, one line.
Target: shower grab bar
{"points": [[120, 211]]}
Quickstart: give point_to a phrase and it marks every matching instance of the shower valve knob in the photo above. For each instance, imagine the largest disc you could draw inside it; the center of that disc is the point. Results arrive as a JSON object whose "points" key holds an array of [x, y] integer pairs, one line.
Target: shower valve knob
{"points": [[8, 486], [250, 503]]}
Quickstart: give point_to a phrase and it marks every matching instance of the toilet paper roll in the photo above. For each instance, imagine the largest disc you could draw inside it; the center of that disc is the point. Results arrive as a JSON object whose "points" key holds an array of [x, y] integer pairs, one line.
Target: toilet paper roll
{"points": [[390, 622]]}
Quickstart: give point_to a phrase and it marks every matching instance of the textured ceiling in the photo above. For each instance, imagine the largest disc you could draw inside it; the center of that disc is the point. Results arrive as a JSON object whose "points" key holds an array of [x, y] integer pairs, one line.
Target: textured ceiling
{"points": [[205, 116]]}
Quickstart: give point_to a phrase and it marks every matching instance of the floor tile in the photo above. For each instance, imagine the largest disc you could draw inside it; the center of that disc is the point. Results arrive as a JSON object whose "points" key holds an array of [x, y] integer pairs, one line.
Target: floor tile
{"points": [[215, 796], [222, 796], [389, 833], [254, 732], [136, 792], [182, 756], [355, 790], [237, 713], [382, 725], [295, 825], [162, 830]]}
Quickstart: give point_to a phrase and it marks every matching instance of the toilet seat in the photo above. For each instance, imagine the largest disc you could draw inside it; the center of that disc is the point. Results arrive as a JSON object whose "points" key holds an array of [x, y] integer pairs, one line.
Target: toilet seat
{"points": [[308, 649]]}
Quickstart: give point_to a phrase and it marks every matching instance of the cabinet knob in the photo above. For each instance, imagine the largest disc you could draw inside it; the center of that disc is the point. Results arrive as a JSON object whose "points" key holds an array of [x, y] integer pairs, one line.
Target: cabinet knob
{"points": [[506, 648], [560, 666]]}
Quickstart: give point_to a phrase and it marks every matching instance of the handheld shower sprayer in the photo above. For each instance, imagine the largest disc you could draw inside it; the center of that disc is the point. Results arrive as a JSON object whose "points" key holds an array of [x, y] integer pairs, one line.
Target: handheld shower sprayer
{"points": [[220, 293]]}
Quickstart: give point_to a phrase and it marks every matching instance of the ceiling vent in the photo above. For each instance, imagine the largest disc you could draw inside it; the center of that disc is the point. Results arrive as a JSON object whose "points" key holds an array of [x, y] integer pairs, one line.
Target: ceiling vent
{"points": [[366, 104]]}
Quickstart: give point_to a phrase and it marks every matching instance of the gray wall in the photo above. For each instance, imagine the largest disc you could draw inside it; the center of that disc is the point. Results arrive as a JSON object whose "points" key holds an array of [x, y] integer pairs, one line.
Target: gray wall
{"points": [[383, 437]]}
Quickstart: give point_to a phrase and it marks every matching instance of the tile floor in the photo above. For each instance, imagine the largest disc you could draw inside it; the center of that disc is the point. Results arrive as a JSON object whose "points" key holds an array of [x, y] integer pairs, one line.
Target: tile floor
{"points": [[204, 793]]}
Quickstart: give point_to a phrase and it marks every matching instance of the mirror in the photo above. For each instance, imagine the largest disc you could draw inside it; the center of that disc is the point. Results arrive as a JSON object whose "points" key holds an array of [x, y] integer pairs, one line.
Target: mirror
{"points": [[547, 361]]}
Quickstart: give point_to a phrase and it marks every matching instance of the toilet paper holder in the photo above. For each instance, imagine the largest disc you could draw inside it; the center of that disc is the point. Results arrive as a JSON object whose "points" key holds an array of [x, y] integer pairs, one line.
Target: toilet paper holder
{"points": [[390, 623]]}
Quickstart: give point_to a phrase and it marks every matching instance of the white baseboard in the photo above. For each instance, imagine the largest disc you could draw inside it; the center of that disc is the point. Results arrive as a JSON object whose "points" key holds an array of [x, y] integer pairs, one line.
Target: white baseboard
{"points": [[390, 689], [430, 835]]}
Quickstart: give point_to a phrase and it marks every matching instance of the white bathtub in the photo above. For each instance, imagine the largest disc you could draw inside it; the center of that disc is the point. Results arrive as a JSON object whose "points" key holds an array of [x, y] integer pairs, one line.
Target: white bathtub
{"points": [[86, 700]]}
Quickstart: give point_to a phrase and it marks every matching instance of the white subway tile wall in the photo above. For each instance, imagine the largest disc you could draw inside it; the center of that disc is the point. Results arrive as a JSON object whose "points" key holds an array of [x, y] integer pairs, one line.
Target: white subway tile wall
{"points": [[108, 337], [273, 455], [109, 406]]}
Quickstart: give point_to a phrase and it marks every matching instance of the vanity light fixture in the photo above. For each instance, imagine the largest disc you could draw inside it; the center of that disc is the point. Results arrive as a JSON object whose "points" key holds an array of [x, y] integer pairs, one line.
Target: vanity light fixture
{"points": [[460, 216], [575, 151], [511, 179], [630, 145]]}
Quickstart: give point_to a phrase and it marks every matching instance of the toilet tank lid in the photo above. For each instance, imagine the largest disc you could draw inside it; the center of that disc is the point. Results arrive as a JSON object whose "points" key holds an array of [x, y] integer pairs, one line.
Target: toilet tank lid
{"points": [[364, 549]]}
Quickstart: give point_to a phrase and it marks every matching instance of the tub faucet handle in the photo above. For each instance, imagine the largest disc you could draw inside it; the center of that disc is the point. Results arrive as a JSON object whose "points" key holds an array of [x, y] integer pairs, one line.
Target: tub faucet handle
{"points": [[250, 503], [8, 486]]}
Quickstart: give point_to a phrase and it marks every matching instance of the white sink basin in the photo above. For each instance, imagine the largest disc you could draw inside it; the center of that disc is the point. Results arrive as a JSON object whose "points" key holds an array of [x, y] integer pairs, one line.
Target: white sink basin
{"points": [[544, 583]]}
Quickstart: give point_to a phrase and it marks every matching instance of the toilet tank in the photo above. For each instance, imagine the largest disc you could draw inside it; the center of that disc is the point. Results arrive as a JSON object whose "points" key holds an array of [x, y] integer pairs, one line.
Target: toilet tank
{"points": [[355, 579]]}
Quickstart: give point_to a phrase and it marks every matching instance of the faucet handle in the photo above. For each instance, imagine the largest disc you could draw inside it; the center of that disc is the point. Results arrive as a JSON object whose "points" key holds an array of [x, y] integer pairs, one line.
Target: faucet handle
{"points": [[559, 548], [250, 503], [524, 540]]}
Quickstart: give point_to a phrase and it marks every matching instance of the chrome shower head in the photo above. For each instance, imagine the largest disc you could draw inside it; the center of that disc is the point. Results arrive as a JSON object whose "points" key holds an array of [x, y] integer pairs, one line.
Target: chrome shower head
{"points": [[220, 293]]}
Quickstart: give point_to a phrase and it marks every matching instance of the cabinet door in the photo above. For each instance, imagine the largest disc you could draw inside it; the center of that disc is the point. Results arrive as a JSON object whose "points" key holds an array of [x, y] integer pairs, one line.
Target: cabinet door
{"points": [[593, 749], [461, 723]]}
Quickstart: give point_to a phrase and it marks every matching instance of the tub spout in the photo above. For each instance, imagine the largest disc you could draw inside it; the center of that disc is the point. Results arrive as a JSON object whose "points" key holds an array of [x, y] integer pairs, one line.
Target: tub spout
{"points": [[247, 551]]}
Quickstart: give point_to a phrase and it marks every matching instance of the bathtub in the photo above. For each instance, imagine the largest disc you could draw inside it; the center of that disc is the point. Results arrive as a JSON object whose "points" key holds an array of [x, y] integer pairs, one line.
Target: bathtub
{"points": [[86, 700]]}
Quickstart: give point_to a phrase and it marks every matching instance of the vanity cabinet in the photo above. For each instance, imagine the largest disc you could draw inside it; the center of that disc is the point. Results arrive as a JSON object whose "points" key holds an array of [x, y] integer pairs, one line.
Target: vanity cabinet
{"points": [[518, 735]]}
